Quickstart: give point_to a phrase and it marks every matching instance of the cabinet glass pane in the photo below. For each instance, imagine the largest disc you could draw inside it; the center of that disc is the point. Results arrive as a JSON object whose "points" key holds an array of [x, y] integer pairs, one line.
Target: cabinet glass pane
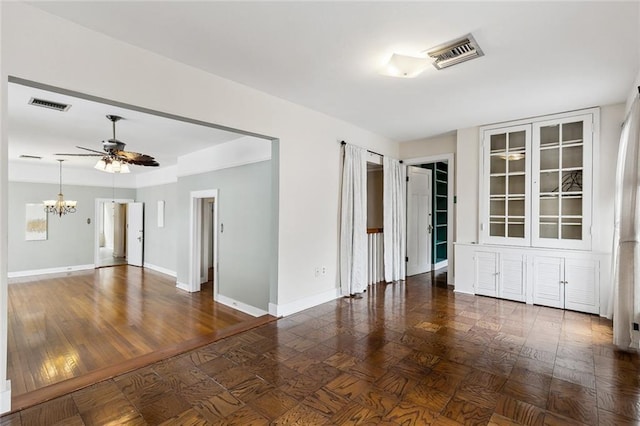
{"points": [[548, 228], [549, 159], [497, 185], [572, 181], [499, 143], [549, 182], [517, 141], [572, 206], [572, 131], [517, 165], [549, 135], [496, 229], [549, 206], [571, 231], [496, 208], [516, 230], [516, 207], [498, 164], [572, 156], [516, 184]]}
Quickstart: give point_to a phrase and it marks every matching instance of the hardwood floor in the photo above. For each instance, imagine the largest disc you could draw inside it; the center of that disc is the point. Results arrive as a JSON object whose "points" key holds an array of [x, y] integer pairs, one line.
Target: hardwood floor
{"points": [[413, 353], [66, 326]]}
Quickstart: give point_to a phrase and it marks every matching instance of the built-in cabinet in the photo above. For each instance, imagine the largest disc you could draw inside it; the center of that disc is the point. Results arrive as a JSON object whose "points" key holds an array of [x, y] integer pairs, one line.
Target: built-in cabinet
{"points": [[536, 182], [535, 210], [500, 274], [567, 279], [566, 283]]}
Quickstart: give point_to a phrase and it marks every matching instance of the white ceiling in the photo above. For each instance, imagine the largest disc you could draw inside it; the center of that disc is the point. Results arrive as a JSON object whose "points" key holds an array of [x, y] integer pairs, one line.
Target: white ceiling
{"points": [[45, 132], [540, 57]]}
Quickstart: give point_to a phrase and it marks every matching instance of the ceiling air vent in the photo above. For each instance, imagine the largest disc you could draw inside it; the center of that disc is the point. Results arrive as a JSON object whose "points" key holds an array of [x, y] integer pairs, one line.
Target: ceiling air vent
{"points": [[454, 52], [49, 104], [32, 157]]}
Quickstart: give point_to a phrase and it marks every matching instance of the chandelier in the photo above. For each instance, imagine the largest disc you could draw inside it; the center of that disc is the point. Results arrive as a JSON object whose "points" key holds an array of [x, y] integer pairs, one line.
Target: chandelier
{"points": [[60, 206]]}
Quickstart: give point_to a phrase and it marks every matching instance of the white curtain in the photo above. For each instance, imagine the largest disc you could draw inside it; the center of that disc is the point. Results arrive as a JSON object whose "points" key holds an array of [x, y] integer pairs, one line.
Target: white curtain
{"points": [[626, 282], [394, 211], [353, 222]]}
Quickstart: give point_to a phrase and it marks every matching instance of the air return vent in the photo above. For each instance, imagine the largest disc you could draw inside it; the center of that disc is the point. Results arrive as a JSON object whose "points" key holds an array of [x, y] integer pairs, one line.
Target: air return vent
{"points": [[454, 52], [49, 104]]}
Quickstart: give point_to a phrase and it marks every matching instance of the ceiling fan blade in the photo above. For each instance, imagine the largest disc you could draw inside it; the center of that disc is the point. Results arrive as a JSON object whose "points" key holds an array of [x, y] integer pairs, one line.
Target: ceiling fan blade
{"points": [[137, 158], [90, 150], [82, 155]]}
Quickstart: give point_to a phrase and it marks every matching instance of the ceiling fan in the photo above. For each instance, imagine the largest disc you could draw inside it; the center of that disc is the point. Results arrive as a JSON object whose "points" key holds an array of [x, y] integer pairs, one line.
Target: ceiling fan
{"points": [[116, 158]]}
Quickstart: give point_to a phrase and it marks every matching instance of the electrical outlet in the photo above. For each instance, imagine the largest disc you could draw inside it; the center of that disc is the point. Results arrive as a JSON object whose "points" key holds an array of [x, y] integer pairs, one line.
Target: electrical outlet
{"points": [[324, 271], [317, 272]]}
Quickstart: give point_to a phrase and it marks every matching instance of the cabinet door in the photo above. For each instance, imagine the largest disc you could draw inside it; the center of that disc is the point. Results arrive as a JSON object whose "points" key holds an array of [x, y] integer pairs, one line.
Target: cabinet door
{"points": [[582, 285], [486, 274], [512, 277], [561, 182], [505, 186], [548, 279]]}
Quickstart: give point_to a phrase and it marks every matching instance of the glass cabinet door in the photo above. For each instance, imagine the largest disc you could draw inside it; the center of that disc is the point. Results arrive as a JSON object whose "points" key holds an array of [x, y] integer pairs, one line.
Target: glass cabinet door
{"points": [[507, 182], [562, 183]]}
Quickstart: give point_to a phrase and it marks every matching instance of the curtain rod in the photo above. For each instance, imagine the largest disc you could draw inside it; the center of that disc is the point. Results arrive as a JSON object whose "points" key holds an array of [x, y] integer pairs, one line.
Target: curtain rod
{"points": [[372, 152]]}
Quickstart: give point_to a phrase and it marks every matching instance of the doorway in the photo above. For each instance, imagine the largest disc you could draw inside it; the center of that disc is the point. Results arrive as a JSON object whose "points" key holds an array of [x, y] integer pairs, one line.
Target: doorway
{"points": [[110, 243], [203, 244], [443, 202]]}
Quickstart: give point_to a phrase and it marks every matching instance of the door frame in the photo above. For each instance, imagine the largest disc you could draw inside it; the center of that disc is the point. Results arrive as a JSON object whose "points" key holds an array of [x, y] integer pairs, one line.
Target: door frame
{"points": [[97, 220], [449, 158], [195, 240]]}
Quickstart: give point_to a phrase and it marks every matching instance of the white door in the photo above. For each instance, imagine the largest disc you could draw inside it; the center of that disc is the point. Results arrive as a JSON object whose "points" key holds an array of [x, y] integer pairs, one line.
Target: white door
{"points": [[419, 228], [135, 233], [581, 285], [548, 281], [512, 276], [486, 274]]}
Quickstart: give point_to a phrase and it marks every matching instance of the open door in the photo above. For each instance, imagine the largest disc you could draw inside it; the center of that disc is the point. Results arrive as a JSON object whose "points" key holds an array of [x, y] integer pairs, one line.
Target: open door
{"points": [[135, 233], [419, 227]]}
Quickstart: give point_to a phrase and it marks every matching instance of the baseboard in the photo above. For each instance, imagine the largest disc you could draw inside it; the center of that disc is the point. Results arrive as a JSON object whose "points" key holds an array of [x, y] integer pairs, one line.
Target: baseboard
{"points": [[184, 286], [5, 398], [463, 292], [302, 304], [160, 269], [242, 307], [441, 264], [57, 270]]}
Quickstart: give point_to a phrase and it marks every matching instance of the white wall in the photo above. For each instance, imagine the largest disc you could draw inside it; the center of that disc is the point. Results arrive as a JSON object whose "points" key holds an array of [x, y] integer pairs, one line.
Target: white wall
{"points": [[436, 145]]}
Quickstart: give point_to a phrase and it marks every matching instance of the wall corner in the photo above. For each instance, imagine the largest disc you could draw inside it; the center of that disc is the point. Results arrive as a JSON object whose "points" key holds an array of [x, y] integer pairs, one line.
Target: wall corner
{"points": [[5, 397]]}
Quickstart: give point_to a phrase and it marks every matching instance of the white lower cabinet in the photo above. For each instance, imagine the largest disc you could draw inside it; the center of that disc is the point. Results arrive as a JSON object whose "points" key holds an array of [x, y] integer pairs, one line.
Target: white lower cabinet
{"points": [[500, 275], [566, 279], [566, 283]]}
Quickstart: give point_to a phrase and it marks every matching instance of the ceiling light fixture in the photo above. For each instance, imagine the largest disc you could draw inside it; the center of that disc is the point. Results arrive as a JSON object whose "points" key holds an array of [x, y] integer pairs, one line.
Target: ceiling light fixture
{"points": [[112, 165], [404, 66], [60, 206]]}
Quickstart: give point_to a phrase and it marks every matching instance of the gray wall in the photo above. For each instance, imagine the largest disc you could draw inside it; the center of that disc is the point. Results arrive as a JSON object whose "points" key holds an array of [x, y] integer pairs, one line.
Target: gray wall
{"points": [[160, 243], [245, 209], [70, 239]]}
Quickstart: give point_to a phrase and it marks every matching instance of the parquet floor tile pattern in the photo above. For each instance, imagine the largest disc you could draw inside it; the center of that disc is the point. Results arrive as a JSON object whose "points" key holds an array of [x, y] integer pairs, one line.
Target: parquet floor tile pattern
{"points": [[413, 353]]}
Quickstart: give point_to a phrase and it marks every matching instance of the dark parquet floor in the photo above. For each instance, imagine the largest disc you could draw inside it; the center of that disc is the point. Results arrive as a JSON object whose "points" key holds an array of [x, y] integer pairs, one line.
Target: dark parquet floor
{"points": [[411, 353]]}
